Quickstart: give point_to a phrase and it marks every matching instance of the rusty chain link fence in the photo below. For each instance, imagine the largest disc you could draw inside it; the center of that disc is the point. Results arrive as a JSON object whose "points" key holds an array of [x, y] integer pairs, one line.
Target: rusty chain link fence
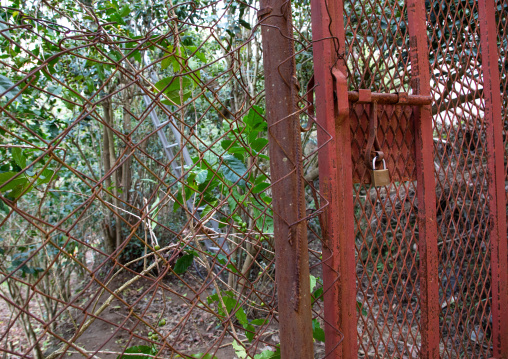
{"points": [[135, 182], [194, 179]]}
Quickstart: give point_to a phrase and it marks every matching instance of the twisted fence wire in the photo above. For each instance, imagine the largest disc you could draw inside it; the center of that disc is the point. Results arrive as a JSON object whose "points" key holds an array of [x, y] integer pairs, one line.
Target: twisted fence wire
{"points": [[135, 183]]}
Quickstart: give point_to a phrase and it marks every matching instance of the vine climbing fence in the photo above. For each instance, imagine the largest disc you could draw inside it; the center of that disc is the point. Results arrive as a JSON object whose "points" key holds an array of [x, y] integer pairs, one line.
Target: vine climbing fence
{"points": [[195, 179]]}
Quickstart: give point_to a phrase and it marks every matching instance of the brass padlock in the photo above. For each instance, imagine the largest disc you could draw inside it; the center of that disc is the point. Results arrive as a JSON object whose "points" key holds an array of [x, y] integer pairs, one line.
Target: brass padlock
{"points": [[379, 177]]}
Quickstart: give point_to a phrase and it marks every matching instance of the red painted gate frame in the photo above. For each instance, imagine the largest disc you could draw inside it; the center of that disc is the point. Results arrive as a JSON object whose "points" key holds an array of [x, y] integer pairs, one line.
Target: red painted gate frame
{"points": [[496, 184], [339, 274], [335, 181]]}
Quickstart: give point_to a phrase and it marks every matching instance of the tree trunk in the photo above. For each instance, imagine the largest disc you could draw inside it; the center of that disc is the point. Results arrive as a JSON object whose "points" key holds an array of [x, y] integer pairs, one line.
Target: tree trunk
{"points": [[126, 171], [111, 237]]}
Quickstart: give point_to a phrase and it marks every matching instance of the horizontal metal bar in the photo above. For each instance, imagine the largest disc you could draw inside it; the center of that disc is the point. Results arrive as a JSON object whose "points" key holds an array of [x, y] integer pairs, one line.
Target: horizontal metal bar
{"points": [[389, 98]]}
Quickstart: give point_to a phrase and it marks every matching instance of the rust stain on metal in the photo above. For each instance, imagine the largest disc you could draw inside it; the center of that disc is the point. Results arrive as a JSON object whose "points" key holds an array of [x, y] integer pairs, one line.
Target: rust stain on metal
{"points": [[402, 98], [496, 182], [292, 266], [333, 130], [426, 183]]}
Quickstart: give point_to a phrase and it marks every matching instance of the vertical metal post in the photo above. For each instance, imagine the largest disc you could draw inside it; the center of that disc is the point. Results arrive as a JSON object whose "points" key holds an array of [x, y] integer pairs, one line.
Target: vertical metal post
{"points": [[291, 252], [496, 185], [426, 183], [335, 180]]}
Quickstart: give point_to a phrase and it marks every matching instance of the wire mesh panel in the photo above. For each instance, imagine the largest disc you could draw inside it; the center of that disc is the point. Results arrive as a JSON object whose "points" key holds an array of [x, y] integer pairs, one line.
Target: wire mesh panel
{"points": [[135, 188], [387, 269], [461, 176], [385, 217], [387, 233]]}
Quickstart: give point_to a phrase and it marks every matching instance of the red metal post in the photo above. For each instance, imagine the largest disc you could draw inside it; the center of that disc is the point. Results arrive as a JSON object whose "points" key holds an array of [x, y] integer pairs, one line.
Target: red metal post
{"points": [[495, 162], [426, 183], [335, 180], [292, 262]]}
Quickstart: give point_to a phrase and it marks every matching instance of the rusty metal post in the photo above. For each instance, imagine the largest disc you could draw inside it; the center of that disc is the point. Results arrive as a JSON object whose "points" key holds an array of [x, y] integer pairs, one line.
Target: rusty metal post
{"points": [[496, 184], [291, 252], [335, 180], [426, 183]]}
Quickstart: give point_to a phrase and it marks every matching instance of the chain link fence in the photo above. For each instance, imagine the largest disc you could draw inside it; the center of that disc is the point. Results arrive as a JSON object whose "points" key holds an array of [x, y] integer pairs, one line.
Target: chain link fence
{"points": [[135, 182]]}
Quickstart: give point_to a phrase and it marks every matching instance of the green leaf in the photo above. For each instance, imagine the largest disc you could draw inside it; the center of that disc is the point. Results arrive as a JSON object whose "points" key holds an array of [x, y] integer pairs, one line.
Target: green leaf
{"points": [[238, 151], [4, 28], [259, 321], [209, 160], [125, 11], [233, 169], [115, 17], [212, 298], [245, 24], [18, 156], [4, 177], [317, 332], [254, 118], [241, 316], [201, 56], [45, 176], [5, 83], [55, 90], [267, 199], [136, 55], [258, 144], [183, 263], [198, 54], [203, 356], [133, 352], [239, 350], [267, 354], [176, 59], [260, 187], [250, 331], [171, 88], [225, 144], [178, 201], [264, 222], [229, 302], [260, 179], [318, 293], [232, 268], [18, 190], [238, 219], [201, 176], [360, 308], [154, 211], [313, 282], [208, 208], [165, 63]]}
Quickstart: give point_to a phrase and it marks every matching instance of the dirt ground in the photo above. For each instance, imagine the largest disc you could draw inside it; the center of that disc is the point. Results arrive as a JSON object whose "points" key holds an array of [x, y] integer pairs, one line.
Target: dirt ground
{"points": [[114, 330]]}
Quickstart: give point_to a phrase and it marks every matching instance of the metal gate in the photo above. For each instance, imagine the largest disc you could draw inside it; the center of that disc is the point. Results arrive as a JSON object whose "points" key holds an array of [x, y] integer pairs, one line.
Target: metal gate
{"points": [[183, 221], [416, 268]]}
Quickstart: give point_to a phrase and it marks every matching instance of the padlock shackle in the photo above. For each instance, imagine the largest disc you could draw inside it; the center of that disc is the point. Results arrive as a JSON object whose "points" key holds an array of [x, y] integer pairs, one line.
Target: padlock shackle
{"points": [[374, 163]]}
